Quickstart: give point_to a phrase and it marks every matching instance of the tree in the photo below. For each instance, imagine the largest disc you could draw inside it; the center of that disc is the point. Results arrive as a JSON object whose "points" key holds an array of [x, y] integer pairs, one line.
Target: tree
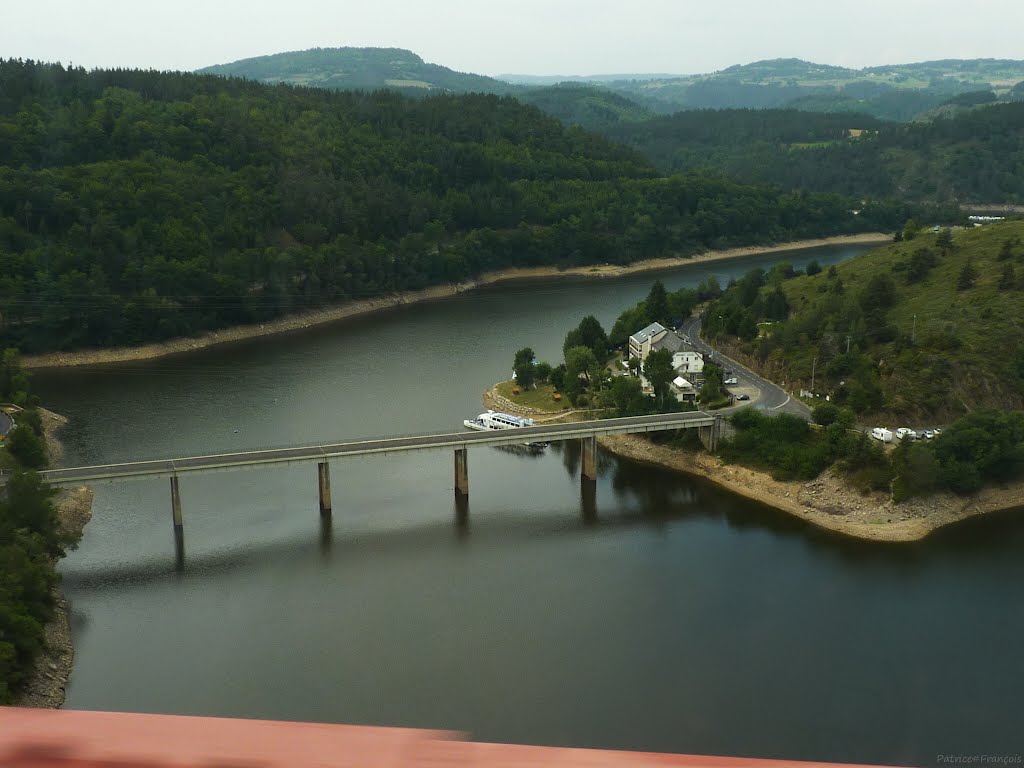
{"points": [[588, 333], [812, 268], [825, 414], [524, 367], [580, 365], [712, 389], [628, 397], [657, 304], [27, 447], [910, 229], [968, 276], [557, 377], [1008, 279], [542, 371], [921, 263], [659, 372], [1005, 251], [944, 240]]}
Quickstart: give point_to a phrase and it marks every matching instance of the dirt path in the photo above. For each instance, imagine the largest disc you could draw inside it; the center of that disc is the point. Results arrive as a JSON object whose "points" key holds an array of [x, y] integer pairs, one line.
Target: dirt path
{"points": [[305, 320]]}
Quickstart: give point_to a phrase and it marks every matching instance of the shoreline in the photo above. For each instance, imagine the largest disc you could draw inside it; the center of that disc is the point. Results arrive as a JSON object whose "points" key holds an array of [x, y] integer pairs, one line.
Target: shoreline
{"points": [[325, 315], [48, 685], [825, 502]]}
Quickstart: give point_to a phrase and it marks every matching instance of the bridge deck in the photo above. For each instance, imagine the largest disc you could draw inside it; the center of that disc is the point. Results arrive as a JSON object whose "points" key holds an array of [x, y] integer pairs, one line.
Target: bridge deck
{"points": [[321, 452]]}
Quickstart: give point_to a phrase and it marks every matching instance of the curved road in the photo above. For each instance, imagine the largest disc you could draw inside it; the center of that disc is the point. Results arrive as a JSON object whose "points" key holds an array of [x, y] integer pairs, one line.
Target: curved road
{"points": [[772, 398], [6, 424]]}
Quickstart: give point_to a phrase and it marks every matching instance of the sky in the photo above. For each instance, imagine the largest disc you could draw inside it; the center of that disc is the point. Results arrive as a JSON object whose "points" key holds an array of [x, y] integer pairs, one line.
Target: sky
{"points": [[565, 37]]}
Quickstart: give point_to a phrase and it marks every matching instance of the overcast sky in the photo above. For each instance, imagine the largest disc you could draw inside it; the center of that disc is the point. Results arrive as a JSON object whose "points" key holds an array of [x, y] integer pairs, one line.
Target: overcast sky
{"points": [[568, 37]]}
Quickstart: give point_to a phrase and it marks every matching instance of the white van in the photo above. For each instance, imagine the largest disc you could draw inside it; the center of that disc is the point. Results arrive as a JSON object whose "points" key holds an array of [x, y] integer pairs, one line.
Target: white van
{"points": [[881, 433]]}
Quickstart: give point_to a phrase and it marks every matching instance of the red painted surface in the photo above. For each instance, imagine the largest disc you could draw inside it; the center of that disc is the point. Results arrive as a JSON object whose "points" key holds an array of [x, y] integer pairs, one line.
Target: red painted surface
{"points": [[39, 738]]}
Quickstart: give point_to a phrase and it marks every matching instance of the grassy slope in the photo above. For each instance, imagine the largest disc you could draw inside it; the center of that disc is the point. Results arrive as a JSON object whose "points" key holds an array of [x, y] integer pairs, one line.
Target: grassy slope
{"points": [[930, 380]]}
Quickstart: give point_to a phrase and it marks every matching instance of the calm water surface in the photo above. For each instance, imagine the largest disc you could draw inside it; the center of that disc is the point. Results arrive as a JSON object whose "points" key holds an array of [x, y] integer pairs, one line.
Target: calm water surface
{"points": [[679, 618]]}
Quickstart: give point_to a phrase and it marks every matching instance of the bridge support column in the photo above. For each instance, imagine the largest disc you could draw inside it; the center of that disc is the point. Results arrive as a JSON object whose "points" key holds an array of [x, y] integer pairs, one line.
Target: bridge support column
{"points": [[179, 527], [323, 471], [709, 435], [588, 459], [461, 472]]}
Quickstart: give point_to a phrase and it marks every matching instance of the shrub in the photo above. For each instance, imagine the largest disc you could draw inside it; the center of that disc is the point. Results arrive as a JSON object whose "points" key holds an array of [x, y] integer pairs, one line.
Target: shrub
{"points": [[27, 447]]}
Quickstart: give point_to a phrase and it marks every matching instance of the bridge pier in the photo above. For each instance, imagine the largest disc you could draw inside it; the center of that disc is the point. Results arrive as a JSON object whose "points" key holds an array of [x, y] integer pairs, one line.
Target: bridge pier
{"points": [[179, 527], [323, 471], [461, 472], [709, 435], [588, 459]]}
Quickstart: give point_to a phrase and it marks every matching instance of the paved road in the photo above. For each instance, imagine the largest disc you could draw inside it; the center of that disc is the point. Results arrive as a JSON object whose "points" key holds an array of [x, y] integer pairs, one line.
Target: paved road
{"points": [[539, 433], [6, 423], [772, 397]]}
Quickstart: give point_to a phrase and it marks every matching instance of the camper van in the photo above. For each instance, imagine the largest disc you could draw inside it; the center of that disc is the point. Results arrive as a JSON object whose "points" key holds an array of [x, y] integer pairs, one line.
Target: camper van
{"points": [[881, 433]]}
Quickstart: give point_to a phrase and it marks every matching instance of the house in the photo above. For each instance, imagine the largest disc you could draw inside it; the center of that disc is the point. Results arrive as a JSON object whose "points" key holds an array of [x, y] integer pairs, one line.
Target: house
{"points": [[687, 362], [642, 342], [684, 390]]}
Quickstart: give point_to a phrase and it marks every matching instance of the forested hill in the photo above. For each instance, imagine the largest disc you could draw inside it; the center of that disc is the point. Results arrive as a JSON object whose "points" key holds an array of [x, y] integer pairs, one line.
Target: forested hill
{"points": [[142, 205], [359, 68], [891, 92], [975, 155], [926, 329]]}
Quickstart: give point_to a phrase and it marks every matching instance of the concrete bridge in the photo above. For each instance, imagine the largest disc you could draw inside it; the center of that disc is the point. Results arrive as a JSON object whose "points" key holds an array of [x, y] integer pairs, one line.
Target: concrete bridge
{"points": [[708, 426]]}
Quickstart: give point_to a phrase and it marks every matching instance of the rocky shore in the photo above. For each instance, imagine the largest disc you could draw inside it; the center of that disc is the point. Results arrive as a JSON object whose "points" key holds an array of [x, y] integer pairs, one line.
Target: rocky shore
{"points": [[325, 315], [53, 667], [827, 502]]}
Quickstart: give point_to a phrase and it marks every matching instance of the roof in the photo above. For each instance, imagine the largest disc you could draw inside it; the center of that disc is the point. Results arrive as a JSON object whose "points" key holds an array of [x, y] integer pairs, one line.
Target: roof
{"points": [[673, 342], [46, 738], [651, 330], [682, 383]]}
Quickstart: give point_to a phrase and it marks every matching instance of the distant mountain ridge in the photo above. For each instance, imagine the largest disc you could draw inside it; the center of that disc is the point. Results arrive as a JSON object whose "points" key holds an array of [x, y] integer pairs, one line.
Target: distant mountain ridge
{"points": [[896, 92], [358, 69]]}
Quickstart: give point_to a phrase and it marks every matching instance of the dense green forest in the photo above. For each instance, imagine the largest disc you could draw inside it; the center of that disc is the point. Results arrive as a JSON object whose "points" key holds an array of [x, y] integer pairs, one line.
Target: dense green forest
{"points": [[143, 205], [975, 155], [905, 332], [31, 539], [359, 68], [595, 109]]}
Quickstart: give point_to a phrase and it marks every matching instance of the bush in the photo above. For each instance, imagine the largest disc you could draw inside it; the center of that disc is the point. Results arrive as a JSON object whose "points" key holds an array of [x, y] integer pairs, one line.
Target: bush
{"points": [[27, 447], [825, 414]]}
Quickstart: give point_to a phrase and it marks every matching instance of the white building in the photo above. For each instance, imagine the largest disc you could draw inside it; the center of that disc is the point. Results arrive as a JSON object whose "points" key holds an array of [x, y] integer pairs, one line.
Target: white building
{"points": [[684, 390], [642, 342]]}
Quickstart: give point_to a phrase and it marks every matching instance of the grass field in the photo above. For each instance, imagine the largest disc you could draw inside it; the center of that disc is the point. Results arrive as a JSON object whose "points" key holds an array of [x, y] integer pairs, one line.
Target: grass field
{"points": [[541, 398]]}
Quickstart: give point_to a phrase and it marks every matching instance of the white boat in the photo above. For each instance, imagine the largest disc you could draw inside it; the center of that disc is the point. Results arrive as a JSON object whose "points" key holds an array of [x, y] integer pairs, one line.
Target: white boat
{"points": [[496, 420]]}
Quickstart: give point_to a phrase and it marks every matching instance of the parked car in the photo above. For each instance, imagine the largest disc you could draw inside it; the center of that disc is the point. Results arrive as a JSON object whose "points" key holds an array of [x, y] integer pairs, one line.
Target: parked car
{"points": [[731, 382], [905, 433], [928, 434], [743, 397], [881, 433]]}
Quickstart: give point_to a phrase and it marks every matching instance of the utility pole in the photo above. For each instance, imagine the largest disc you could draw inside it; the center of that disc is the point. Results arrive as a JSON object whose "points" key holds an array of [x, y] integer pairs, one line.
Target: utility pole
{"points": [[913, 333], [814, 367], [847, 343]]}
